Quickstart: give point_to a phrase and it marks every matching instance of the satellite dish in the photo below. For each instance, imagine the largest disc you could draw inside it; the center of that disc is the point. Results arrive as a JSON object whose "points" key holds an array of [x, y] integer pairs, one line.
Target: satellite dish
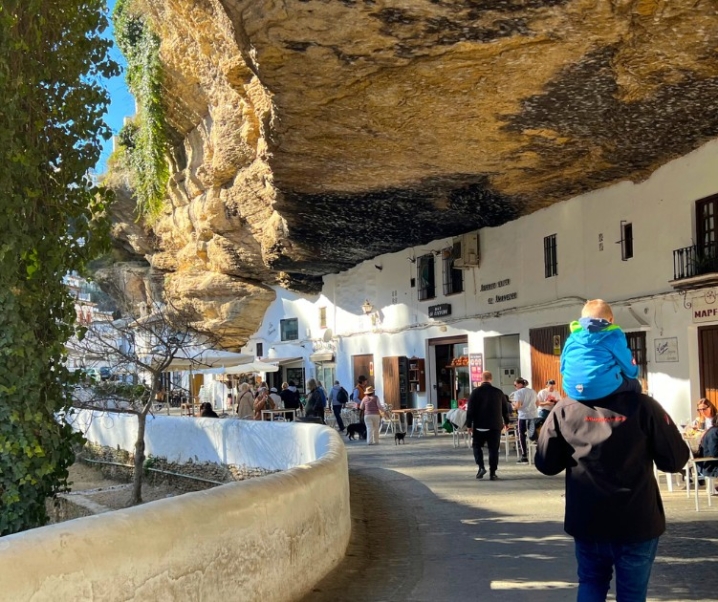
{"points": [[328, 335]]}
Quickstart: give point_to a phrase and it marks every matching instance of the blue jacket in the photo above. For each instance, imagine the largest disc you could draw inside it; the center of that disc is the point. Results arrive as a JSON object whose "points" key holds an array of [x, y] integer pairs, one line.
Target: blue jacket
{"points": [[595, 359]]}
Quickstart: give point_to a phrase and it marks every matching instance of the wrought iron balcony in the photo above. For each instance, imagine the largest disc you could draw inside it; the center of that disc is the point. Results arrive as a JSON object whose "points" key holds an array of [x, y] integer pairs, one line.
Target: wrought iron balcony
{"points": [[695, 262]]}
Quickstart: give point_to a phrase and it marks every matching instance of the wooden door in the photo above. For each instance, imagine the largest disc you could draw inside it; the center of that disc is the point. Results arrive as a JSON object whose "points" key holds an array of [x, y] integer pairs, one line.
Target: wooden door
{"points": [[546, 347], [708, 362], [390, 380], [363, 364]]}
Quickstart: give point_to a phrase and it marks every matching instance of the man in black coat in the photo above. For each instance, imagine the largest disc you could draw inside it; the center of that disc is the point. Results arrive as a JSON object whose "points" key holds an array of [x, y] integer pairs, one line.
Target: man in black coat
{"points": [[613, 506], [486, 415]]}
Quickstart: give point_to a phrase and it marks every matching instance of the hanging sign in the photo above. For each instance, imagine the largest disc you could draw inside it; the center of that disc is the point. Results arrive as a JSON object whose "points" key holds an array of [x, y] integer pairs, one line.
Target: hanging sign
{"points": [[438, 311]]}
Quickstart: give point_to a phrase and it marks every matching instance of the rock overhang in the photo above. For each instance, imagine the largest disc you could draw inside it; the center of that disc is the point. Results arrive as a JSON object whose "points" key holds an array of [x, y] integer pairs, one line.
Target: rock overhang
{"points": [[316, 134]]}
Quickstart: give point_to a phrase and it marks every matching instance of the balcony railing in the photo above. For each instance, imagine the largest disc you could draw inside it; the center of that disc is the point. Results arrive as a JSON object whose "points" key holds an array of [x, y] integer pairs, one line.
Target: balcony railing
{"points": [[695, 261]]}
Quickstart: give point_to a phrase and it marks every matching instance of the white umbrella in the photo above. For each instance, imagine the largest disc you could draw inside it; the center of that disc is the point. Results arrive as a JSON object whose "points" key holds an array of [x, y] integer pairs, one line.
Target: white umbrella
{"points": [[241, 368], [198, 359]]}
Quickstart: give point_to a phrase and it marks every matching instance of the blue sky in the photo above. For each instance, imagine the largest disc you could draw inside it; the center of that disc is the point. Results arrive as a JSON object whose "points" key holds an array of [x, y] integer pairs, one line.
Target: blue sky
{"points": [[122, 103]]}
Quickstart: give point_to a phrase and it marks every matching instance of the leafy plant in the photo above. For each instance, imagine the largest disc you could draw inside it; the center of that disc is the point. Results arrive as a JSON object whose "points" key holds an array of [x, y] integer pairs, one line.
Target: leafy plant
{"points": [[51, 57], [144, 138]]}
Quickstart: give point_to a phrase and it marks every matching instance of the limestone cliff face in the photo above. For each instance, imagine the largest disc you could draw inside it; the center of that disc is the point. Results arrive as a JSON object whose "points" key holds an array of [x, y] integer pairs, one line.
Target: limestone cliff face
{"points": [[314, 134]]}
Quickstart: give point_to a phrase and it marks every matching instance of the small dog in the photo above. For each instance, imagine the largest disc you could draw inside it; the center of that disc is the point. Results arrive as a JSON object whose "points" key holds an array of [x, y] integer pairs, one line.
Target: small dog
{"points": [[399, 438], [356, 428]]}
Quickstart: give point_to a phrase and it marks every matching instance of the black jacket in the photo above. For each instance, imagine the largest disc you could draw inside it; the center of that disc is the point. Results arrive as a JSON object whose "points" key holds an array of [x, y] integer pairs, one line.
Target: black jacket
{"points": [[708, 448], [608, 447], [487, 408]]}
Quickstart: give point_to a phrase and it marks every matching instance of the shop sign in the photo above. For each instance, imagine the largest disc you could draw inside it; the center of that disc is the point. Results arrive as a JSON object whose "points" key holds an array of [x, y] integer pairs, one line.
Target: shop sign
{"points": [[438, 311], [704, 313], [666, 349]]}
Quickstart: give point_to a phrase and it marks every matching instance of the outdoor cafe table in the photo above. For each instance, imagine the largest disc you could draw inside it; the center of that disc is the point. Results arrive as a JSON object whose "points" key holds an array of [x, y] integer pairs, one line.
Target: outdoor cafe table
{"points": [[272, 414], [401, 413]]}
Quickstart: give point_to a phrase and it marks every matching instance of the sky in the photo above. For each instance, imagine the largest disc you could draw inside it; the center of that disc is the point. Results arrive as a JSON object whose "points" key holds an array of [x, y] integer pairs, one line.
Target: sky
{"points": [[122, 103]]}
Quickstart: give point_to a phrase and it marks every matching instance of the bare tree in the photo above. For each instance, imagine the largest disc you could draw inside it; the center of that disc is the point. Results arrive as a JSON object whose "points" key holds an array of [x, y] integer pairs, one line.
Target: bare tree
{"points": [[142, 346]]}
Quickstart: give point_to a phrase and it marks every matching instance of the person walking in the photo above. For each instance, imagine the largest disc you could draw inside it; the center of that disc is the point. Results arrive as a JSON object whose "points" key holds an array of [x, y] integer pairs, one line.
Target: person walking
{"points": [[370, 405], [338, 397], [487, 413], [524, 402], [613, 504], [245, 402]]}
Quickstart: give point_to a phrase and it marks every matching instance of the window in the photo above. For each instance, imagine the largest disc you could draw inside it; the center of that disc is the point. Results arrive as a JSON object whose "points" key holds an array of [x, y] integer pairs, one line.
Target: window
{"points": [[550, 261], [425, 274], [626, 241], [637, 345], [453, 277], [289, 329], [260, 349], [706, 222], [322, 317]]}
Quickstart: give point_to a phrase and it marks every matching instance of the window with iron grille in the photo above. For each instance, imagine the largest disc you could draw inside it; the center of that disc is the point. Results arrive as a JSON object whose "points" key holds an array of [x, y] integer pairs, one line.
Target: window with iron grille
{"points": [[260, 349], [453, 277], [425, 276], [637, 345], [289, 329], [550, 260]]}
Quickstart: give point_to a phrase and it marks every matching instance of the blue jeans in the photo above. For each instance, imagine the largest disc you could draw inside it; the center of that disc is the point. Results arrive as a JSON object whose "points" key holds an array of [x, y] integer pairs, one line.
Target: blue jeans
{"points": [[633, 562]]}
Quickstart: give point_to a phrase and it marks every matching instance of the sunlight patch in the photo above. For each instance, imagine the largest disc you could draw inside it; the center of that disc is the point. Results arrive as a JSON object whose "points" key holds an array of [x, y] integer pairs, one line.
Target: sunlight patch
{"points": [[532, 585]]}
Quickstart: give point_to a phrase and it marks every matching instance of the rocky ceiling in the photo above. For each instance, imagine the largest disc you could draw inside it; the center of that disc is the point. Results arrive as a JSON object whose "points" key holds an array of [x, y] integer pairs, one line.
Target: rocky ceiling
{"points": [[313, 134]]}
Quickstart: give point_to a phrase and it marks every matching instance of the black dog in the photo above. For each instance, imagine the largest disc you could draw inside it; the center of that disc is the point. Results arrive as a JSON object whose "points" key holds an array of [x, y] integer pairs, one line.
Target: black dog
{"points": [[356, 428], [399, 438]]}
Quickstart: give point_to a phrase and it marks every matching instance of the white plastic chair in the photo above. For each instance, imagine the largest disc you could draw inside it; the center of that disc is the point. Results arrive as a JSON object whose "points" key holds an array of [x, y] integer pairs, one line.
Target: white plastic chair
{"points": [[417, 424], [692, 470]]}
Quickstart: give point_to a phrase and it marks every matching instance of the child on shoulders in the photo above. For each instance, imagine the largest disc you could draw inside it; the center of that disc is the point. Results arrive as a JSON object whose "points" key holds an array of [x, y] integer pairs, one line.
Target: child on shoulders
{"points": [[596, 360]]}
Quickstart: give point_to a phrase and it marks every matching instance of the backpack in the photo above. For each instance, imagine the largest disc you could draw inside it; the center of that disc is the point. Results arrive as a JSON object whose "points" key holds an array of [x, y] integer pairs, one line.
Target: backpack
{"points": [[342, 396]]}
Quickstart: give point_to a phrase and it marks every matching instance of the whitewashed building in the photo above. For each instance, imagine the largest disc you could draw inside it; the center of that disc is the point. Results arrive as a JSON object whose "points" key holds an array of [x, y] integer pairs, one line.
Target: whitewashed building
{"points": [[416, 325]]}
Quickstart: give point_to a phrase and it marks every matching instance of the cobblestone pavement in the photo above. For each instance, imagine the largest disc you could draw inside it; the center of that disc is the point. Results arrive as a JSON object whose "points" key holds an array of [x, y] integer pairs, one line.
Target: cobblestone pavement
{"points": [[425, 529]]}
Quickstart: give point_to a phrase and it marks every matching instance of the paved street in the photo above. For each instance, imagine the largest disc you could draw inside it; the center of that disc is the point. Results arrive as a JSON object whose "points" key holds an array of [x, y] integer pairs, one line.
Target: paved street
{"points": [[425, 529]]}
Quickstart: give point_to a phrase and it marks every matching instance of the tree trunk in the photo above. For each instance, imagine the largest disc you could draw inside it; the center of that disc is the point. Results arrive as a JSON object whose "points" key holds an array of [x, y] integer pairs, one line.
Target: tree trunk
{"points": [[139, 460]]}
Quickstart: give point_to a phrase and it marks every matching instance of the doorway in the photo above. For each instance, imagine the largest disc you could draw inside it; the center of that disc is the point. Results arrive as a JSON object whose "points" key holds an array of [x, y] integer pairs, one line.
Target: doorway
{"points": [[452, 376], [708, 361]]}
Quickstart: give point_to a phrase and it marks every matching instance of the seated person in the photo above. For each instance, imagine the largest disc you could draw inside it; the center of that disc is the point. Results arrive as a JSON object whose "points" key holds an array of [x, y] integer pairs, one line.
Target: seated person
{"points": [[706, 417], [596, 360], [206, 411], [708, 448], [545, 400]]}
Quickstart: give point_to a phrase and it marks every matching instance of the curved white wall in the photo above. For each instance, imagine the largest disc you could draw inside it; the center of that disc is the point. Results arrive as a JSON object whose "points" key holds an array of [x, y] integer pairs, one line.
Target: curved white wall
{"points": [[269, 539]]}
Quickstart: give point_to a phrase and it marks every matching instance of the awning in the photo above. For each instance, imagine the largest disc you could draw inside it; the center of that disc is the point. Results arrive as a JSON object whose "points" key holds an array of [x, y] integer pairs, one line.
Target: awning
{"points": [[198, 359], [321, 356], [283, 361], [247, 368]]}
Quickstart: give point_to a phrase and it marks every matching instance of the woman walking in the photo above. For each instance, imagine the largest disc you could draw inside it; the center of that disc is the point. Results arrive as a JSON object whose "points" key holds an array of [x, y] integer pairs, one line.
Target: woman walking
{"points": [[245, 402], [372, 416]]}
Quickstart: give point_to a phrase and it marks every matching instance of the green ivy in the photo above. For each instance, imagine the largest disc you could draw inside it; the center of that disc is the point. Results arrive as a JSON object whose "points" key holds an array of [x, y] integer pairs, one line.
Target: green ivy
{"points": [[145, 138], [52, 55]]}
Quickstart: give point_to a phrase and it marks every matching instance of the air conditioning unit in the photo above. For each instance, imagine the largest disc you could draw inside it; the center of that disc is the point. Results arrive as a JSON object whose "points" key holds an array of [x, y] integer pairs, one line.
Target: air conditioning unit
{"points": [[469, 251]]}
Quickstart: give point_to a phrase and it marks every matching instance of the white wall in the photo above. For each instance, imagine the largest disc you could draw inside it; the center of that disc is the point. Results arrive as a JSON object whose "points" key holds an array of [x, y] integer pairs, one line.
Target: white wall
{"points": [[661, 210], [270, 538]]}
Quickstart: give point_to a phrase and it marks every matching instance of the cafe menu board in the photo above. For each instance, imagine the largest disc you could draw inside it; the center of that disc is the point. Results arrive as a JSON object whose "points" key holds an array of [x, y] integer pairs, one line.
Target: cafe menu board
{"points": [[476, 367]]}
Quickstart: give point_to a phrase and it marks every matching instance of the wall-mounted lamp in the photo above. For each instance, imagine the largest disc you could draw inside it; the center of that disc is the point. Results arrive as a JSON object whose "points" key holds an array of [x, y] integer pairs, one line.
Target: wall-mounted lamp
{"points": [[411, 259], [378, 267], [367, 307]]}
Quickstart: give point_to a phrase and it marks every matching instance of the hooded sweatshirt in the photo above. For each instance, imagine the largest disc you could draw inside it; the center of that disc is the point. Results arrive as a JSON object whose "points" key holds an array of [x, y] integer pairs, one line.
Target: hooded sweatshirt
{"points": [[595, 359], [607, 448]]}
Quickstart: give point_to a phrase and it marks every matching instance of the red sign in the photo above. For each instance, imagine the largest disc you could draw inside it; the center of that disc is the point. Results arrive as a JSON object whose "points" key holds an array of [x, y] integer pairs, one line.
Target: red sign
{"points": [[476, 367]]}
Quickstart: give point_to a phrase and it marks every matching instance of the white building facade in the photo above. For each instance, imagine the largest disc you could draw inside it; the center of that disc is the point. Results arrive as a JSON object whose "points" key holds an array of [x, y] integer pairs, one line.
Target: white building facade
{"points": [[422, 330]]}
